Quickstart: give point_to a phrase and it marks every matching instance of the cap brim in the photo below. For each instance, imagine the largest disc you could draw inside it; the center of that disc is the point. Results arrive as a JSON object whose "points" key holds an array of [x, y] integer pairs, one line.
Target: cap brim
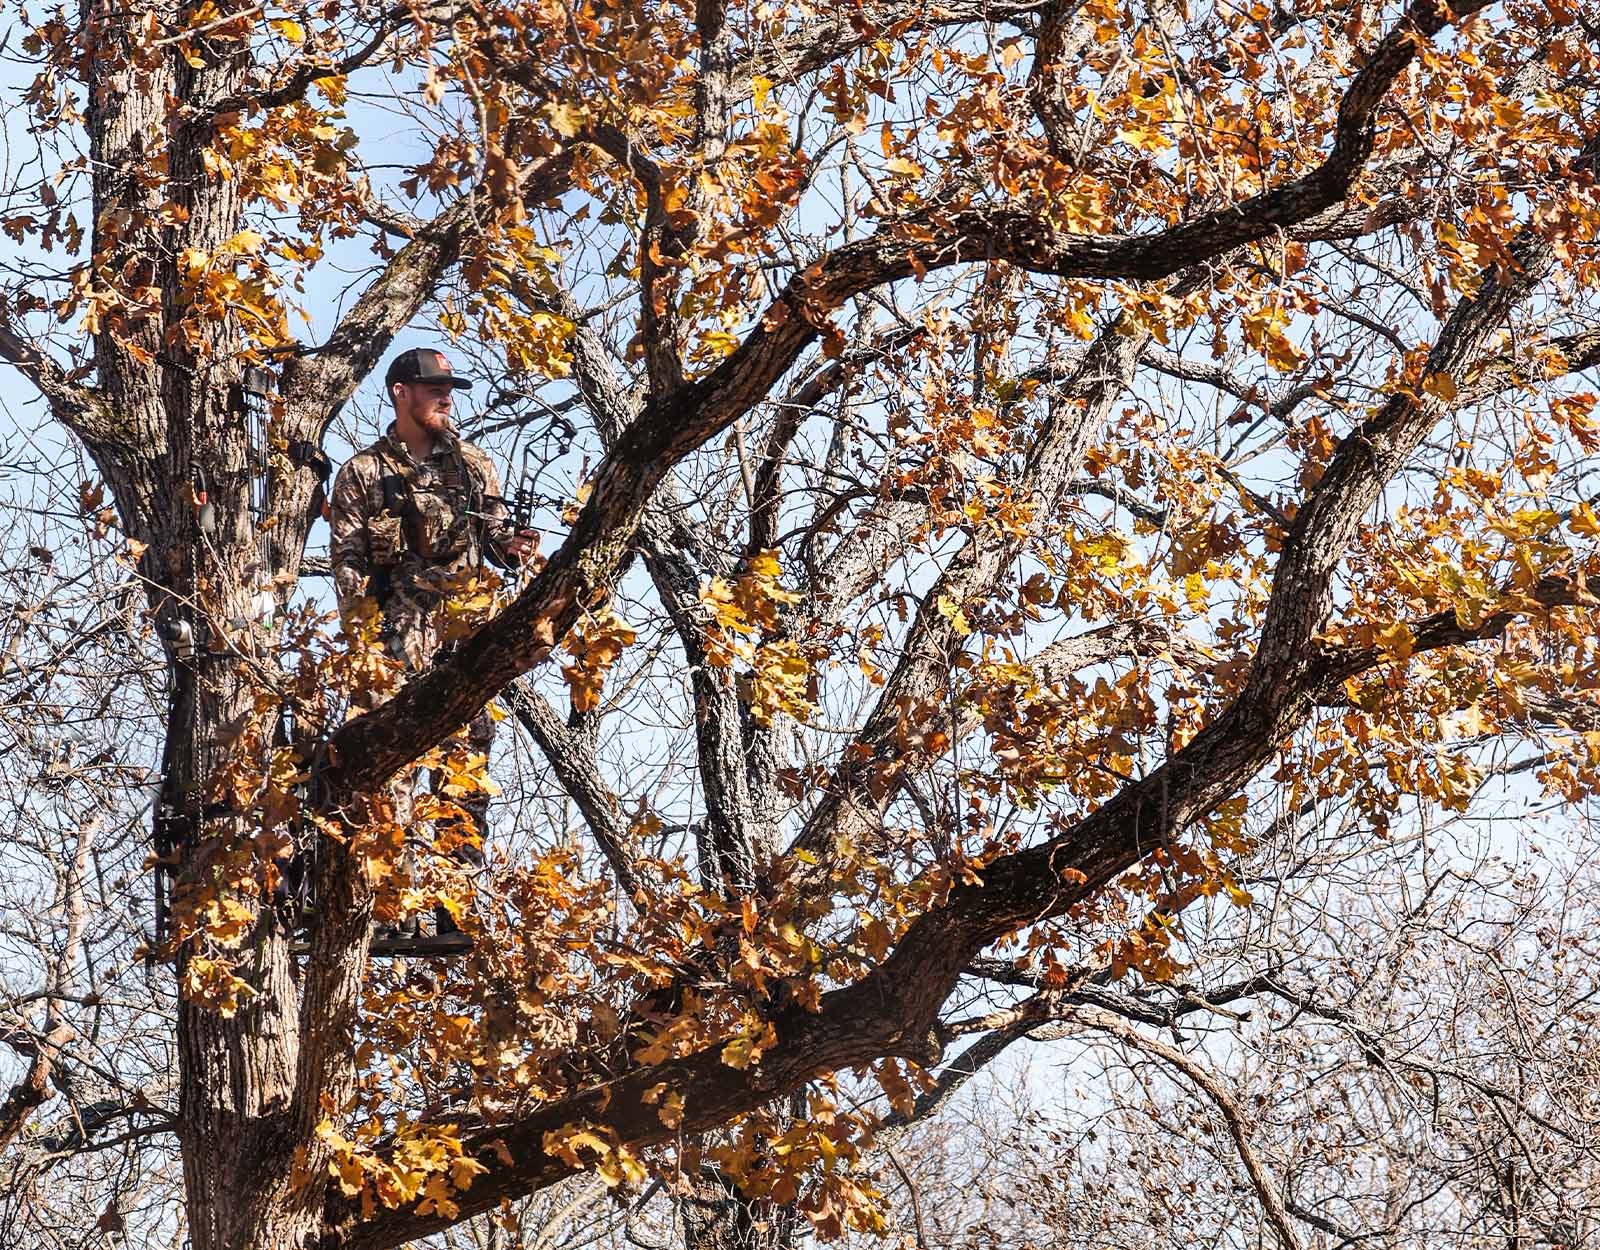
{"points": [[454, 383]]}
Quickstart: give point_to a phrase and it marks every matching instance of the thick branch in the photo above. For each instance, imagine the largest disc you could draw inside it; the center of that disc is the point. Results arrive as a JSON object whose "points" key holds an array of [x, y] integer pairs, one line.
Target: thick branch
{"points": [[1564, 354], [34, 1088], [1331, 666], [1060, 43], [575, 767], [582, 572], [324, 381], [76, 406]]}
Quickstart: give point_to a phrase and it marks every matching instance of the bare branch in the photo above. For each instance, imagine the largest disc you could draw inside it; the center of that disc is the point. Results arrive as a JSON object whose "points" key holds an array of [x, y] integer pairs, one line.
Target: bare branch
{"points": [[1206, 1081], [308, 71]]}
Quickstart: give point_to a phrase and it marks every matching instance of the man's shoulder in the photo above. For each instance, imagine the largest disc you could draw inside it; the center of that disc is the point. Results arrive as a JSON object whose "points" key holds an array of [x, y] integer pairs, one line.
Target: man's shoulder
{"points": [[368, 462], [473, 454], [477, 461]]}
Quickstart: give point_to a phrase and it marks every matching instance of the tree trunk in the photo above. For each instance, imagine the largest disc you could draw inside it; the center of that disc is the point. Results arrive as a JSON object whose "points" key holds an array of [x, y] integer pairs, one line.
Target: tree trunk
{"points": [[717, 1217], [238, 1120], [170, 369]]}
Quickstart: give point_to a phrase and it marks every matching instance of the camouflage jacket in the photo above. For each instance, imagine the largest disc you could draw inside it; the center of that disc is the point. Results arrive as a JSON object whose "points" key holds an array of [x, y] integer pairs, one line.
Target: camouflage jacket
{"points": [[402, 531]]}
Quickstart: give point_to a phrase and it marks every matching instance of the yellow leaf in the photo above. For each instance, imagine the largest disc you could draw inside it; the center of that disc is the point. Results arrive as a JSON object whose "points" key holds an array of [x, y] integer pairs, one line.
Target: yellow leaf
{"points": [[436, 1199], [1535, 522], [1395, 640], [1507, 113], [1369, 698], [1107, 550], [1526, 572], [764, 564], [1584, 522], [350, 1173], [620, 1168], [875, 937], [1268, 330], [566, 1143], [1472, 597], [567, 118], [211, 983], [753, 1040], [948, 608], [1145, 138], [1440, 386], [761, 86], [289, 29]]}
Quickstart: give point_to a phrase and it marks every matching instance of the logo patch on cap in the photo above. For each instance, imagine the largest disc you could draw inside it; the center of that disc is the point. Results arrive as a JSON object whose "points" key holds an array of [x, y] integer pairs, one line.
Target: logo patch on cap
{"points": [[439, 358]]}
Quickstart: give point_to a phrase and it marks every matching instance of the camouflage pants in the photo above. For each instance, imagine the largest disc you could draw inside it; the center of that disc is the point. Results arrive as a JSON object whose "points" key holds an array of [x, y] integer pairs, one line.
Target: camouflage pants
{"points": [[410, 638], [479, 737]]}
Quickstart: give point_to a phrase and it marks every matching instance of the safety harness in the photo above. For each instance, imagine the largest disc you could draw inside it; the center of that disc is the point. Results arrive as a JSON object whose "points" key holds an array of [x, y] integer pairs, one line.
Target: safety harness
{"points": [[463, 495]]}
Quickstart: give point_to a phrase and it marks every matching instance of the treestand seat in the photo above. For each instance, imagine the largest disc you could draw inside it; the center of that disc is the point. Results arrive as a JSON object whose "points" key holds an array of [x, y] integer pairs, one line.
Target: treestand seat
{"points": [[396, 944], [389, 942]]}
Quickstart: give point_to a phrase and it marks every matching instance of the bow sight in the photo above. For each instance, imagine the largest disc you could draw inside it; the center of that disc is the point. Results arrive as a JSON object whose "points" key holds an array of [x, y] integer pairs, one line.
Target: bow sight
{"points": [[519, 504]]}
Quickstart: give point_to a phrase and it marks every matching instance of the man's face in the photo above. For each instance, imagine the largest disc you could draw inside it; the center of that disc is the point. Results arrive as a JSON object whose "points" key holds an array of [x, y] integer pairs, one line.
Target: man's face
{"points": [[427, 404]]}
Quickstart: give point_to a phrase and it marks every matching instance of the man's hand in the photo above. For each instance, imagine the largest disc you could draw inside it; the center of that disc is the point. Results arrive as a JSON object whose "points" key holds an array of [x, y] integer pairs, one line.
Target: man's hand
{"points": [[522, 544]]}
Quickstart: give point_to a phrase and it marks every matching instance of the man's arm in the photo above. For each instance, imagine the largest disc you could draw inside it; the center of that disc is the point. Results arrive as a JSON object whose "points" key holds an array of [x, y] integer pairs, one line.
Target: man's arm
{"points": [[349, 549]]}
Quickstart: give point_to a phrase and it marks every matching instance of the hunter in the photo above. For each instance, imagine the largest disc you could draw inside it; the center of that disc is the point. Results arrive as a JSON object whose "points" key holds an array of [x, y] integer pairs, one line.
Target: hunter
{"points": [[413, 516]]}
